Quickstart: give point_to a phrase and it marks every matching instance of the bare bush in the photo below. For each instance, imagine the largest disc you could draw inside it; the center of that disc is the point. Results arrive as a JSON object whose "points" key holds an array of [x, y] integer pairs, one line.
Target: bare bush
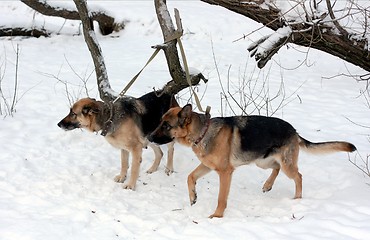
{"points": [[8, 103], [73, 91], [252, 93], [362, 162]]}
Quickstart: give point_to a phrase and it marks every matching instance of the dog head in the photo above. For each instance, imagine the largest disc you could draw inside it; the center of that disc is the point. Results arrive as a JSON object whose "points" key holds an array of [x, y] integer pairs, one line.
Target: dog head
{"points": [[174, 125], [82, 115]]}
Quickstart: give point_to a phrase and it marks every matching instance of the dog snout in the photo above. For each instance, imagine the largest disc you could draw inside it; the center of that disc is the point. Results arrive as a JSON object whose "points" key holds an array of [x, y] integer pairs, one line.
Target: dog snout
{"points": [[159, 138], [66, 125], [60, 124], [150, 137]]}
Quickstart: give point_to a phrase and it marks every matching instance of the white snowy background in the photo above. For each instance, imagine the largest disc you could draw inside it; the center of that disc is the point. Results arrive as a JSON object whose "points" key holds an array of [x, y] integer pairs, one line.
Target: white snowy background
{"points": [[59, 185]]}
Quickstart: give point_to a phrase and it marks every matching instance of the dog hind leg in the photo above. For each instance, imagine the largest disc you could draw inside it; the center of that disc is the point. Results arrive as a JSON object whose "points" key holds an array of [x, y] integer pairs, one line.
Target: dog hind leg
{"points": [[289, 165], [270, 181], [158, 156], [124, 166]]}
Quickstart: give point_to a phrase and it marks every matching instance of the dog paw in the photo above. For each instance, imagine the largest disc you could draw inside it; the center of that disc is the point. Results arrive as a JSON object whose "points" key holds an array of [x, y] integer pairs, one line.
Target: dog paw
{"points": [[151, 170], [168, 171], [193, 199], [266, 189], [129, 186], [216, 215], [119, 178]]}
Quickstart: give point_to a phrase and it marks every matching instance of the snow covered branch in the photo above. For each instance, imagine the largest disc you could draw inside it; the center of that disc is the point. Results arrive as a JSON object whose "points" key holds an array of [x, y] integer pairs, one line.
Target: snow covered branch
{"points": [[266, 47], [105, 91], [170, 35], [107, 23], [343, 32]]}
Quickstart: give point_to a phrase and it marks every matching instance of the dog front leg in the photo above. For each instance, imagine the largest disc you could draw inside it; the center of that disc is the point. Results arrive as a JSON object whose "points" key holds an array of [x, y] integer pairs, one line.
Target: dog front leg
{"points": [[158, 156], [124, 166], [225, 182], [169, 167], [200, 171], [135, 168]]}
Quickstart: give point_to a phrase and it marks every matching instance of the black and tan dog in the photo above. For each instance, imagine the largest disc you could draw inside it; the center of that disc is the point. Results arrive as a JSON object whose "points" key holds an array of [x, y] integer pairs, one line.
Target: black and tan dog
{"points": [[130, 121], [222, 144]]}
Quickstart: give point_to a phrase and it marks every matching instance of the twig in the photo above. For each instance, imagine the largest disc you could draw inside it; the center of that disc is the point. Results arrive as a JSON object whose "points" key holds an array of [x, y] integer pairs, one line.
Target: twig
{"points": [[357, 123], [336, 23], [14, 101]]}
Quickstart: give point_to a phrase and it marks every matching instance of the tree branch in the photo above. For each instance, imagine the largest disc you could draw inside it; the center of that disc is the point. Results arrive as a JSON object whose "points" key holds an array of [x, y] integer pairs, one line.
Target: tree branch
{"points": [[332, 16], [315, 34], [107, 23], [105, 91], [177, 73]]}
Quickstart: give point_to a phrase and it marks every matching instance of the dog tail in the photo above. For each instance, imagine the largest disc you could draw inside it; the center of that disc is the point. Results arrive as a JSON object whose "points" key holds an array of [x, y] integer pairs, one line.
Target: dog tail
{"points": [[325, 147]]}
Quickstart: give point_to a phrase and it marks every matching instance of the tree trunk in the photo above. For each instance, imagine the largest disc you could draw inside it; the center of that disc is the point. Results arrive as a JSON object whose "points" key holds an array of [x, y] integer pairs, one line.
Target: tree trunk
{"points": [[317, 35], [179, 81], [177, 73], [105, 91]]}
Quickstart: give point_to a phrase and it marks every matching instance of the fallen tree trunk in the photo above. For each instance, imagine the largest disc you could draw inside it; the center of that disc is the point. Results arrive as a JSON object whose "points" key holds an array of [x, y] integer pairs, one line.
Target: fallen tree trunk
{"points": [[13, 32], [106, 23]]}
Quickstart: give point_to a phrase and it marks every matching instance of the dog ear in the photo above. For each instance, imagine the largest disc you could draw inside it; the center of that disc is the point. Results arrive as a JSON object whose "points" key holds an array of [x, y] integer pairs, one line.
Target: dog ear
{"points": [[185, 115], [173, 102], [90, 109]]}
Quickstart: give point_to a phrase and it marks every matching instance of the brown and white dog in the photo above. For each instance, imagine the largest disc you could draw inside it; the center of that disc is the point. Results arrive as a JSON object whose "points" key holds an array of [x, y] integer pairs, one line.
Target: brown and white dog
{"points": [[126, 123], [224, 143]]}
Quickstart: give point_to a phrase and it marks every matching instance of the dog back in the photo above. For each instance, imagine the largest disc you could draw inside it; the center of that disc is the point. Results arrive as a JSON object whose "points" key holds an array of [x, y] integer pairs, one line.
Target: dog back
{"points": [[258, 135], [155, 106]]}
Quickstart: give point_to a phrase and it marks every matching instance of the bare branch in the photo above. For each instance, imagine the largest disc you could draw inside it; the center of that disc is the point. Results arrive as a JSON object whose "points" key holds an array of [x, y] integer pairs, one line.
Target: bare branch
{"points": [[336, 23]]}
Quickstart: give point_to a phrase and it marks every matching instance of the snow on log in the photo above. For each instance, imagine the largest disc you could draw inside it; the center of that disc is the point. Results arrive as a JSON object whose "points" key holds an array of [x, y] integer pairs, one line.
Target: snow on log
{"points": [[267, 46]]}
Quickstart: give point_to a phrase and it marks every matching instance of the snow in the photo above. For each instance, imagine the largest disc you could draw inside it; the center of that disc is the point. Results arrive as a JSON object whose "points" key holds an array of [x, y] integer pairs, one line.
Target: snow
{"points": [[264, 48], [59, 185]]}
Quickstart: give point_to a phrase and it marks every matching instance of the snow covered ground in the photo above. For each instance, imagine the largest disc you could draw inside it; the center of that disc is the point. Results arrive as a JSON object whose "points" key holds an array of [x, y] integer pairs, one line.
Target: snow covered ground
{"points": [[59, 185]]}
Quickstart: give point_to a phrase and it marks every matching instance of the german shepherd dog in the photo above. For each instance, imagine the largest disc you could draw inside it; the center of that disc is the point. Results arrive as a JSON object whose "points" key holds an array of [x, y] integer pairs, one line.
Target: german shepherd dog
{"points": [[131, 120], [224, 143]]}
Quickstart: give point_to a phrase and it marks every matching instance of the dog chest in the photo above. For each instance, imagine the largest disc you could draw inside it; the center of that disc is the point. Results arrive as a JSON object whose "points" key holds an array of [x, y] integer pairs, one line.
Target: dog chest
{"points": [[127, 136]]}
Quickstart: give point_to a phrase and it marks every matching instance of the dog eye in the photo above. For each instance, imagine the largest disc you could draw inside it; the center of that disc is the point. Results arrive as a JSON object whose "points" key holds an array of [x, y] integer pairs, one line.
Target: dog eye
{"points": [[166, 126], [72, 114]]}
